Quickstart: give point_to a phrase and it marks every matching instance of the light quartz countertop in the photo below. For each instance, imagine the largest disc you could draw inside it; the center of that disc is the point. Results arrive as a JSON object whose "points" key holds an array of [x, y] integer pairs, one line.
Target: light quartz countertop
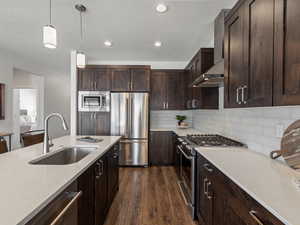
{"points": [[179, 132], [26, 188], [268, 181]]}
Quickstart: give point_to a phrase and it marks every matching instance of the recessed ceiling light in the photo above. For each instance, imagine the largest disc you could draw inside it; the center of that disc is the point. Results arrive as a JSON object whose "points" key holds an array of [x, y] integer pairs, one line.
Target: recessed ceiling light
{"points": [[157, 44], [108, 43], [161, 8]]}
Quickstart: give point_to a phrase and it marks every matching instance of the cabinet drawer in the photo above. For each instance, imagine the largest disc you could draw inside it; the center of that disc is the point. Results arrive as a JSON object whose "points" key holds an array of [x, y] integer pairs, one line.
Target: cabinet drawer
{"points": [[62, 210]]}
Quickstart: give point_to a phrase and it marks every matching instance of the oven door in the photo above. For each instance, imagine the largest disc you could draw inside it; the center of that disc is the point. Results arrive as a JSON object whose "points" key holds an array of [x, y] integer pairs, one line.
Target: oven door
{"points": [[187, 171]]}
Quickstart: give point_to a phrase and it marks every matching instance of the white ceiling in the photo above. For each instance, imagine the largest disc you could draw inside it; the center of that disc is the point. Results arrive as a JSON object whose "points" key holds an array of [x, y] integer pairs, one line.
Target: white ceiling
{"points": [[132, 25]]}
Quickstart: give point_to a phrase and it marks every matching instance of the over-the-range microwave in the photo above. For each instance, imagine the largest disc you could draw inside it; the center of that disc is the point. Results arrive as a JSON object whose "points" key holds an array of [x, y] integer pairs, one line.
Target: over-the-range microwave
{"points": [[93, 101]]}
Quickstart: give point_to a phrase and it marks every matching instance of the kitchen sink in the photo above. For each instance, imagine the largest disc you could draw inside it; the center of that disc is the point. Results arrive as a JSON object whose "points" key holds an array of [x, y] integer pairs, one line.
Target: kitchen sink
{"points": [[64, 156]]}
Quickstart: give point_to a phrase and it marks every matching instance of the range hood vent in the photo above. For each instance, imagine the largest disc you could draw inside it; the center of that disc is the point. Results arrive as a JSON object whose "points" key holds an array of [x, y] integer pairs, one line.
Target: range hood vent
{"points": [[214, 77]]}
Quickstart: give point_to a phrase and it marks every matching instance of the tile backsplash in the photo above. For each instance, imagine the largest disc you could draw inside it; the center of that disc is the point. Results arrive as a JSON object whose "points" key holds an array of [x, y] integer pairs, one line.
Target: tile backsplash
{"points": [[259, 128], [167, 119]]}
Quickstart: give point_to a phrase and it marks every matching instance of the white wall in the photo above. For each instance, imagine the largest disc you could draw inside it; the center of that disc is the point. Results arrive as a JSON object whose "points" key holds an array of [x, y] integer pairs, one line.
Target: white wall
{"points": [[57, 89], [6, 77], [257, 127]]}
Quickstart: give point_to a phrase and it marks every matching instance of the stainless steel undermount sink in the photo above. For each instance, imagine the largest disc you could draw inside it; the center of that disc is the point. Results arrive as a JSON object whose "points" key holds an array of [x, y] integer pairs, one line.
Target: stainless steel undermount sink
{"points": [[64, 156]]}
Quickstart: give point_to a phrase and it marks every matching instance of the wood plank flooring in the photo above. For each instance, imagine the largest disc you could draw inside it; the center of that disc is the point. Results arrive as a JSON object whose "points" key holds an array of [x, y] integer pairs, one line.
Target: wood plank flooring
{"points": [[148, 196]]}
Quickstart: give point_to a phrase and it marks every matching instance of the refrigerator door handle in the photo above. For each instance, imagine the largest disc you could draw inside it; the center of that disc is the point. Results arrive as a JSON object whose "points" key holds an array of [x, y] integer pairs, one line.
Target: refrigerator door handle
{"points": [[134, 141]]}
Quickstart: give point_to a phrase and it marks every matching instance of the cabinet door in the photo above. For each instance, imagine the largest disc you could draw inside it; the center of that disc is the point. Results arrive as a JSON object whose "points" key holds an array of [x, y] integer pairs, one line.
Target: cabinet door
{"points": [[158, 90], [101, 191], [102, 79], [86, 183], [113, 173], [86, 81], [140, 79], [102, 123], [189, 90], [86, 123], [161, 148], [121, 79], [197, 71], [234, 64], [286, 52], [204, 199], [175, 91], [258, 52]]}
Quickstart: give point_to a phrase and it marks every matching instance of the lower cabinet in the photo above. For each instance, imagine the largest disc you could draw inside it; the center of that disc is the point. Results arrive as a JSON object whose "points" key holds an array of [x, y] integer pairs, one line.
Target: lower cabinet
{"points": [[176, 152], [221, 201], [161, 148], [99, 185]]}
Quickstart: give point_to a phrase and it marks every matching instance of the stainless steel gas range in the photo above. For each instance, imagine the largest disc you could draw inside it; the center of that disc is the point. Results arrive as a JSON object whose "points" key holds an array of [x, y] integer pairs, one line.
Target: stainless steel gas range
{"points": [[187, 155]]}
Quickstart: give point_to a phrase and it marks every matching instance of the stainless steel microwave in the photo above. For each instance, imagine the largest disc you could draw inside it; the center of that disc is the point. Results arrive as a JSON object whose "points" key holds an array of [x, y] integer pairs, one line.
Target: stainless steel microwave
{"points": [[94, 101]]}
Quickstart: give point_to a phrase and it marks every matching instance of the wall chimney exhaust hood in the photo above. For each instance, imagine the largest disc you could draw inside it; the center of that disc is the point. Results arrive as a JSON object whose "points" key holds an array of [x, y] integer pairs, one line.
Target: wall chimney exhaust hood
{"points": [[214, 77]]}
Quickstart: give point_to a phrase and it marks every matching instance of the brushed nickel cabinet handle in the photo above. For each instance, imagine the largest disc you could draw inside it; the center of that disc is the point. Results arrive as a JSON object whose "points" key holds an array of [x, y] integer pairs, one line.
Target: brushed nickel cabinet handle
{"points": [[98, 170], [68, 206], [253, 215], [243, 94], [238, 95], [206, 166], [204, 185], [207, 191]]}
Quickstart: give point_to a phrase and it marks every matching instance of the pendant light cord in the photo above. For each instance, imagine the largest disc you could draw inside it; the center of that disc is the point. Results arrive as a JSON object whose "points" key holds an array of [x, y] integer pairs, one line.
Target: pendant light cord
{"points": [[50, 12]]}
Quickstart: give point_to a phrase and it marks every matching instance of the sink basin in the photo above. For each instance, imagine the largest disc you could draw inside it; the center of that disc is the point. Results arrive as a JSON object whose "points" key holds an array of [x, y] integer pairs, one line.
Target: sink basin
{"points": [[64, 156]]}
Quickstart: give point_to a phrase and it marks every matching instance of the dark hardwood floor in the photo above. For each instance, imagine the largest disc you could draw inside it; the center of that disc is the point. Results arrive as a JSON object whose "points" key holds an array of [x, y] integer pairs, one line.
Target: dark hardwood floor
{"points": [[148, 196]]}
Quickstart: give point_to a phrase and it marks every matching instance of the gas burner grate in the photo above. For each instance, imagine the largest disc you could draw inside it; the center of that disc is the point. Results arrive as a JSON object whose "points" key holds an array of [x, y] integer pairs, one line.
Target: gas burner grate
{"points": [[208, 140]]}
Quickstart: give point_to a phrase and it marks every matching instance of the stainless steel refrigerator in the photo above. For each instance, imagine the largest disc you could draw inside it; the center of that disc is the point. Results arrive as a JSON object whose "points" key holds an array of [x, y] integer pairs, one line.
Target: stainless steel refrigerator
{"points": [[130, 119]]}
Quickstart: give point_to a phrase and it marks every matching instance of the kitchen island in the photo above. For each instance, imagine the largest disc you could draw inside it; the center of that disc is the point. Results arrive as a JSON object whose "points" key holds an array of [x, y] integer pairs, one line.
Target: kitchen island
{"points": [[26, 189]]}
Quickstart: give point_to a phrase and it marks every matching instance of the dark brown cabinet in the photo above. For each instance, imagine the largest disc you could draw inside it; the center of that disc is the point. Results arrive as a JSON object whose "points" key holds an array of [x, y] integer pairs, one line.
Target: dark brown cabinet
{"points": [[140, 79], [200, 97], [94, 79], [113, 173], [161, 148], [286, 52], [261, 57], [121, 79], [176, 155], [98, 185], [93, 123], [101, 190], [167, 90], [131, 79], [234, 66], [221, 201]]}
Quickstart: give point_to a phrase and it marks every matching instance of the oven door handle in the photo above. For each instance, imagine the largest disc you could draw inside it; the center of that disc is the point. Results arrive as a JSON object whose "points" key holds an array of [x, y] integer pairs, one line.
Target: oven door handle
{"points": [[184, 154]]}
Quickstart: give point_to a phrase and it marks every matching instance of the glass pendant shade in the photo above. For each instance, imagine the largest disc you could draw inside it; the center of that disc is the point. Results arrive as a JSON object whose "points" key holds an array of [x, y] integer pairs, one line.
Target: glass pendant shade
{"points": [[81, 60], [49, 36]]}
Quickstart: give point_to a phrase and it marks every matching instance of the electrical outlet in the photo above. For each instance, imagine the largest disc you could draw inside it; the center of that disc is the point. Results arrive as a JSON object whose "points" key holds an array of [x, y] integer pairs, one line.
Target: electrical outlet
{"points": [[279, 130]]}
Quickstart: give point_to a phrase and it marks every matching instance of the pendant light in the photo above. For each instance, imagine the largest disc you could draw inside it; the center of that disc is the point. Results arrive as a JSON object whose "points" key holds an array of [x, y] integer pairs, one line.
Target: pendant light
{"points": [[49, 32], [81, 58]]}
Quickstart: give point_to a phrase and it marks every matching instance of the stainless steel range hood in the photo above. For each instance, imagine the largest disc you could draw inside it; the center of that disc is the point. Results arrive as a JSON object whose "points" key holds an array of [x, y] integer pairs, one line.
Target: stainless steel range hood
{"points": [[214, 77]]}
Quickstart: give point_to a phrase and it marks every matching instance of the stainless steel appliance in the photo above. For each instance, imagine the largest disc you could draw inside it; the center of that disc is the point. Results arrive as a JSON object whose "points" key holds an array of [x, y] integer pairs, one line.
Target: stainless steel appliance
{"points": [[130, 119], [188, 158], [93, 101]]}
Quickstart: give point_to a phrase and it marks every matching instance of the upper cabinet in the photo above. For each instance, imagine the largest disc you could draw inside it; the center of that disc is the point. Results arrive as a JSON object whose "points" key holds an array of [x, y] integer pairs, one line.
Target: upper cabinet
{"points": [[131, 79], [261, 60], [114, 78], [200, 97], [94, 79], [167, 90], [287, 52]]}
